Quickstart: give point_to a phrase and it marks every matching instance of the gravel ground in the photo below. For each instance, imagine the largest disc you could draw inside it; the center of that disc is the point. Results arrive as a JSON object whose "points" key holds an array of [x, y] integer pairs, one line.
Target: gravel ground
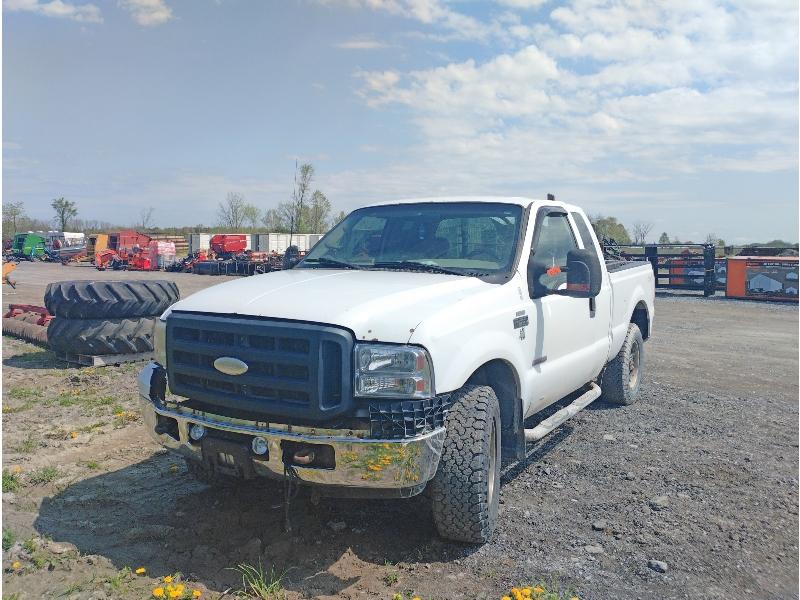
{"points": [[699, 479]]}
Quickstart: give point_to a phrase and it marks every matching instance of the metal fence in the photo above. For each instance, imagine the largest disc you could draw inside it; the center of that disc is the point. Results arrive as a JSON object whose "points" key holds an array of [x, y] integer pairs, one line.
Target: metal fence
{"points": [[681, 266]]}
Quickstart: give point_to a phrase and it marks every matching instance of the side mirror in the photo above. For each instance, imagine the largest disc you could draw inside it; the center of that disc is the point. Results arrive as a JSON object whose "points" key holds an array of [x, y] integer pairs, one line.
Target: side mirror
{"points": [[583, 271], [584, 274]]}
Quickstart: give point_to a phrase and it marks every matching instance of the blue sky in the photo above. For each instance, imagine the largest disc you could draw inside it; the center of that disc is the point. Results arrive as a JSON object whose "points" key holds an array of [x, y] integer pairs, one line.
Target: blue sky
{"points": [[681, 113]]}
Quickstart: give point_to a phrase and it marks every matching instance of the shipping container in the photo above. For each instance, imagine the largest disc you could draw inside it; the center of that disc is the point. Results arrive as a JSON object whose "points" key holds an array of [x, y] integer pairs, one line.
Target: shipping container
{"points": [[762, 278], [199, 241]]}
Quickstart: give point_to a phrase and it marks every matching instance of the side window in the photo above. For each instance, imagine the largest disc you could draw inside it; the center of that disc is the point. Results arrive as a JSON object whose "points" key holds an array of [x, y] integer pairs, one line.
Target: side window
{"points": [[583, 231], [555, 240]]}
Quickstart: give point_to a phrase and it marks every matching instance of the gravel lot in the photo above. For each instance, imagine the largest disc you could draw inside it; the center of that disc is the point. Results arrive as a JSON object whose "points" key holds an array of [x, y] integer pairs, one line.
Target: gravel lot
{"points": [[701, 475]]}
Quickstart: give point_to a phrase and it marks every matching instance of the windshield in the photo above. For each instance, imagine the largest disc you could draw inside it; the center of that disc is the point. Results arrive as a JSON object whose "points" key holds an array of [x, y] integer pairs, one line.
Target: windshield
{"points": [[463, 238]]}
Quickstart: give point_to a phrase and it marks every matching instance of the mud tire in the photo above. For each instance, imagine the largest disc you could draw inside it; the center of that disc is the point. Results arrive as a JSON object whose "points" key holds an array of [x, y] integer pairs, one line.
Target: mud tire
{"points": [[110, 299], [621, 381], [96, 337]]}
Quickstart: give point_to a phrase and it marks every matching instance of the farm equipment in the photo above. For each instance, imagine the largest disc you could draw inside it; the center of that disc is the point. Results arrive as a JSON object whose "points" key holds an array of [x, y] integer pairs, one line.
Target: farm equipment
{"points": [[28, 246], [123, 260], [187, 264], [27, 322], [65, 254], [9, 266], [227, 245]]}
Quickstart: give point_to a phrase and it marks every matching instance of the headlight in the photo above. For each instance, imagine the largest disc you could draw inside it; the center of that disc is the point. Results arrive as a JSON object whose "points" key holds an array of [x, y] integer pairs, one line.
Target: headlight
{"points": [[160, 342], [383, 370]]}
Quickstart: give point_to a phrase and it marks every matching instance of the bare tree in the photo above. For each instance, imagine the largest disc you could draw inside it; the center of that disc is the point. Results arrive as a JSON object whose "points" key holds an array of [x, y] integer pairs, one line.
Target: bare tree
{"points": [[252, 215], [145, 218], [12, 212], [640, 231], [274, 222], [65, 210], [302, 184], [338, 218], [232, 212], [664, 239], [712, 238]]}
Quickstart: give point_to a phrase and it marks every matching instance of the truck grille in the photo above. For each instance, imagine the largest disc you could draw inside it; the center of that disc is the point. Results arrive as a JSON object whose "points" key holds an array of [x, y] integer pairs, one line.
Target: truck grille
{"points": [[294, 369]]}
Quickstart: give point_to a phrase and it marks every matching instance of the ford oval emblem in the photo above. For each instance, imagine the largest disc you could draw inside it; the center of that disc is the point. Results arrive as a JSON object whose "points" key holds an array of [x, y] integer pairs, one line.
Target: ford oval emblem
{"points": [[230, 365]]}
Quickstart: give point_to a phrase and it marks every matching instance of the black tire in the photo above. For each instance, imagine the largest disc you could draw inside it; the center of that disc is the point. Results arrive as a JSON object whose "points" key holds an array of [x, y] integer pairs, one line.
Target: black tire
{"points": [[465, 492], [622, 377], [96, 337], [110, 299]]}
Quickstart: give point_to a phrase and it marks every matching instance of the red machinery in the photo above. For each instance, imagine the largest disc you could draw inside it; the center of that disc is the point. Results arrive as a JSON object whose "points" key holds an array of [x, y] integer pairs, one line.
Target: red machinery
{"points": [[123, 260], [228, 245], [127, 251]]}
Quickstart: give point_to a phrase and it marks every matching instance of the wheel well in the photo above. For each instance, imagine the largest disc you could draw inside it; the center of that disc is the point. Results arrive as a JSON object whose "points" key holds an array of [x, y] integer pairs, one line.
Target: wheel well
{"points": [[642, 319], [502, 378]]}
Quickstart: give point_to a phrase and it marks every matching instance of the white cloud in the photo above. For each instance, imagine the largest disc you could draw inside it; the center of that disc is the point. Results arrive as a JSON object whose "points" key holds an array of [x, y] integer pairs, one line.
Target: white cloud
{"points": [[522, 4], [608, 93], [148, 13], [361, 44], [84, 13]]}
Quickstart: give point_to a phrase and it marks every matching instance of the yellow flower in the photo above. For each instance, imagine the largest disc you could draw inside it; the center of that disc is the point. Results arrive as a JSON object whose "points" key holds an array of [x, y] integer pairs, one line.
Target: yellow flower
{"points": [[416, 598], [158, 592], [574, 598], [180, 588], [16, 564], [538, 590], [526, 592], [168, 579], [140, 571], [16, 469], [73, 434], [375, 468], [506, 598], [196, 593], [174, 594]]}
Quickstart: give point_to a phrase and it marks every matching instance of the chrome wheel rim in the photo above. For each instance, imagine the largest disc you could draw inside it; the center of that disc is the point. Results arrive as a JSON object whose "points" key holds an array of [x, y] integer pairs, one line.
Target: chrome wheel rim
{"points": [[633, 366]]}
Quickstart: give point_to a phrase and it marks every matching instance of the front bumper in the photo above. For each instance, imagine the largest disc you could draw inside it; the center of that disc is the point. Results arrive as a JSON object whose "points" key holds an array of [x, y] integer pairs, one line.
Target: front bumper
{"points": [[360, 462]]}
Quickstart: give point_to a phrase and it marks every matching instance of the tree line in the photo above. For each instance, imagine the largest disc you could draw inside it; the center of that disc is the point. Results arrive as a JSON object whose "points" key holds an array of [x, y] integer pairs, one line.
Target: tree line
{"points": [[306, 211]]}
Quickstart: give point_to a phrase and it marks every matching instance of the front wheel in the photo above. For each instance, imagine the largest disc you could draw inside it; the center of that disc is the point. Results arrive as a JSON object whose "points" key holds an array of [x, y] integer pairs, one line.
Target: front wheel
{"points": [[622, 378], [465, 491]]}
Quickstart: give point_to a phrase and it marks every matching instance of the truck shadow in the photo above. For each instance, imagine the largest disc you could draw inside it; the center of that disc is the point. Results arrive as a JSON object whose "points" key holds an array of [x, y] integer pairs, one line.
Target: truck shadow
{"points": [[39, 359], [154, 514]]}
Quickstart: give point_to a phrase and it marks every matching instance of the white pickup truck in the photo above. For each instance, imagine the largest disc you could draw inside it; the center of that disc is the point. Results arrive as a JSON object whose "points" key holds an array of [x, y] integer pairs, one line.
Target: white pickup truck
{"points": [[403, 353]]}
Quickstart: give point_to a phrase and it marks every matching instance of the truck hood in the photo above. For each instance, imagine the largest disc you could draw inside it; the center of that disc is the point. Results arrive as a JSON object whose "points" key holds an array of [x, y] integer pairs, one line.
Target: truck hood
{"points": [[374, 305]]}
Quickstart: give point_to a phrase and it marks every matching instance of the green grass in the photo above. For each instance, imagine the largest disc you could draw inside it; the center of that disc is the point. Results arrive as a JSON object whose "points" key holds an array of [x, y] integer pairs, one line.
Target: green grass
{"points": [[27, 445], [23, 393], [9, 538], [391, 578], [92, 464], [11, 482], [44, 475], [30, 545], [257, 583], [91, 427], [119, 581]]}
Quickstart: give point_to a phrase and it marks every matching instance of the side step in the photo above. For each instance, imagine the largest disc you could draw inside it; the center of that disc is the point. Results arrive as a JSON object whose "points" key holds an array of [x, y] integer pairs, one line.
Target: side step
{"points": [[554, 421]]}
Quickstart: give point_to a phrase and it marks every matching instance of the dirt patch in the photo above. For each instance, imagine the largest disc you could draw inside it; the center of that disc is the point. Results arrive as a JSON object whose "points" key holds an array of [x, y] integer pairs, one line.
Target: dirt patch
{"points": [[698, 480]]}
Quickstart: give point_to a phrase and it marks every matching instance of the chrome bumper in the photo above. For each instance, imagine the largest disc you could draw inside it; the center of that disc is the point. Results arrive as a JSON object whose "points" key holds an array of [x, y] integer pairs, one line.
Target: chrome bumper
{"points": [[360, 462]]}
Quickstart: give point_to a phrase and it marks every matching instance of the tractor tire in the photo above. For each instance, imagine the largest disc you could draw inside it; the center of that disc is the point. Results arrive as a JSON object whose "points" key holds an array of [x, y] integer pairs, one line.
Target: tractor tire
{"points": [[465, 492], [96, 337], [110, 299], [622, 378]]}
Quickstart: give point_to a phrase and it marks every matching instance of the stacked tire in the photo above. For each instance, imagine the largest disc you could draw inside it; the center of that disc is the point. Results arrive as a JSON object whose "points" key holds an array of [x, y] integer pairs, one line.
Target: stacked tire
{"points": [[106, 317]]}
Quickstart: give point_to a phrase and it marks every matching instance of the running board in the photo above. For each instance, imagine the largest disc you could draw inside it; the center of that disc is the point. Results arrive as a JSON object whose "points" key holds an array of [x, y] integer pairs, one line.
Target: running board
{"points": [[554, 421]]}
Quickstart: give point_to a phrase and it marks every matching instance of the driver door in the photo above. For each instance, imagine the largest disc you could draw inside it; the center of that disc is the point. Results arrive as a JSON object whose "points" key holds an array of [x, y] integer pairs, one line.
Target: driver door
{"points": [[561, 347]]}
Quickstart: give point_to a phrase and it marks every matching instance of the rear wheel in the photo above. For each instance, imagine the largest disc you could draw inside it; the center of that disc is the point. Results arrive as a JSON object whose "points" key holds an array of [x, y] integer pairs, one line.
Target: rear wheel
{"points": [[465, 493], [622, 378]]}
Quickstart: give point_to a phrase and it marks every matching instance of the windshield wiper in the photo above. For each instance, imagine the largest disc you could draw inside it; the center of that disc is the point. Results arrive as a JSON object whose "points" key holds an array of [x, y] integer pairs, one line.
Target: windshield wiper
{"points": [[411, 265], [324, 260]]}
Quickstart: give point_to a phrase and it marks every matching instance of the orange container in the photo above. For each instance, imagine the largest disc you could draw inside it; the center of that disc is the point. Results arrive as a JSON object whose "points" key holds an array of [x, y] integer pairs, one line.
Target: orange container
{"points": [[763, 278]]}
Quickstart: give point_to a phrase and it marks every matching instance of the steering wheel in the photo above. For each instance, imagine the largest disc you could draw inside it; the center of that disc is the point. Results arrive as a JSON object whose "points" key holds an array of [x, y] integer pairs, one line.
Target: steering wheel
{"points": [[482, 252]]}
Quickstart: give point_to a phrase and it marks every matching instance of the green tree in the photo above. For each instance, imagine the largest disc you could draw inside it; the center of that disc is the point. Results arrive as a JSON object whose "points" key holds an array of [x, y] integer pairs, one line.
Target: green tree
{"points": [[252, 215], [338, 218], [610, 228], [65, 210], [318, 213], [235, 212], [13, 213], [663, 238]]}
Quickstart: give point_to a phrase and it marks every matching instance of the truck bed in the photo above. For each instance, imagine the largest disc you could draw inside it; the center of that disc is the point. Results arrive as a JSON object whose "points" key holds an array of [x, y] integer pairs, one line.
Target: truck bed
{"points": [[629, 280]]}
